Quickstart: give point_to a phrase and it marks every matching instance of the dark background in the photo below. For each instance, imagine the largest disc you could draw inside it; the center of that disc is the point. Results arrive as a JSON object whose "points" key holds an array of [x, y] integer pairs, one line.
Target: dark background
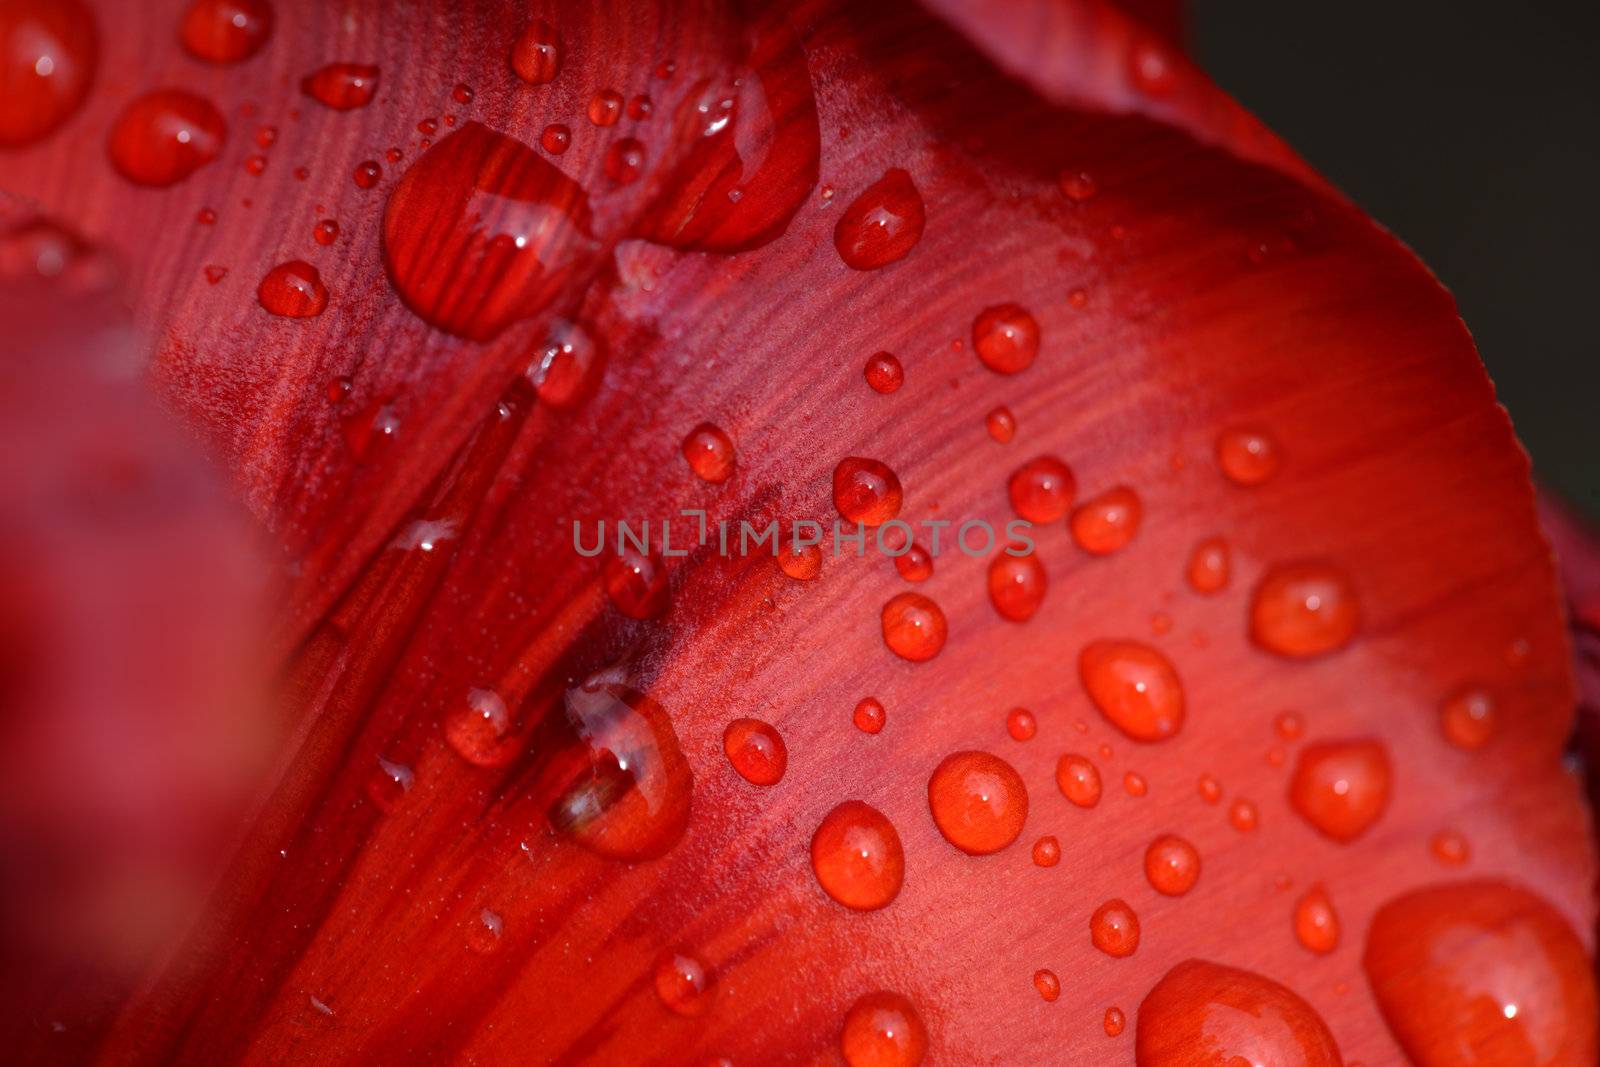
{"points": [[1472, 131]]}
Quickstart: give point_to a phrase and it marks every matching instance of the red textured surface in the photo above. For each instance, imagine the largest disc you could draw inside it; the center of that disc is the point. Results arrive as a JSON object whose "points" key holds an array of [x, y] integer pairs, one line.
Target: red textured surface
{"points": [[1220, 285]]}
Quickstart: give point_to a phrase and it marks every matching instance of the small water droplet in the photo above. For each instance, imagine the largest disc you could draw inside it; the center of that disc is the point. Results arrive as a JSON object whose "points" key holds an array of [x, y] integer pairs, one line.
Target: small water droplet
{"points": [[1316, 925], [367, 174], [1106, 523], [1450, 848], [1247, 456], [462, 93], [1001, 424], [1077, 185], [857, 857], [1304, 609], [1017, 585], [1114, 1022], [641, 107], [914, 564], [1041, 489], [478, 729], [914, 627], [556, 138], [1079, 780], [1468, 718], [1172, 865], [1114, 929], [483, 936], [802, 564], [884, 373], [215, 274], [756, 751], [342, 86], [1048, 985], [1209, 788], [536, 55], [605, 107], [683, 983], [164, 136], [1341, 787], [1006, 338], [1289, 725], [866, 491], [882, 1029], [709, 453], [637, 584], [293, 290], [978, 801], [1243, 816], [389, 783], [1135, 687], [625, 160], [1134, 785], [869, 716], [1046, 851], [882, 225], [1209, 566], [326, 232], [1020, 724]]}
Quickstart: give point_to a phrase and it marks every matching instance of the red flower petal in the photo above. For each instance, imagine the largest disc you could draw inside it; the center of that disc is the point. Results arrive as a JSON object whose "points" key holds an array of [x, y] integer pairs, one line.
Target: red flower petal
{"points": [[395, 900]]}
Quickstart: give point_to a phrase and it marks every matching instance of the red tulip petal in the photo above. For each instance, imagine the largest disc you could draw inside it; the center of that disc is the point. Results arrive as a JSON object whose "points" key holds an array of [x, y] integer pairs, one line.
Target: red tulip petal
{"points": [[406, 895]]}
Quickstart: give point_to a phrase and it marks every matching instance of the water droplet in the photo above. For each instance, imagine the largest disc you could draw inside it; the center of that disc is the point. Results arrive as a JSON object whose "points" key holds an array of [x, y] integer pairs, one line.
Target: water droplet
{"points": [[255, 166], [569, 366], [225, 31], [866, 491], [206, 217], [1017, 585], [802, 564], [1468, 718], [1046, 851], [1001, 424], [1289, 725], [637, 584], [1171, 865], [163, 137], [914, 564], [1020, 724], [857, 857], [1134, 785], [48, 55], [1114, 1023], [756, 751], [979, 802], [1208, 566], [1041, 489], [914, 627], [1114, 929], [1048, 985], [1479, 974], [215, 274], [462, 93], [1077, 185], [293, 290], [536, 55], [367, 174], [882, 1029], [1078, 780], [641, 107], [1209, 788], [342, 86], [625, 160], [1135, 687], [605, 107], [483, 936], [882, 225], [556, 138], [1246, 456], [511, 226], [683, 983], [1303, 609], [326, 232], [884, 373], [869, 716], [1341, 787], [1006, 338], [1243, 815], [1152, 69], [1450, 848], [1107, 522], [709, 453], [478, 728], [612, 771], [1316, 925], [1236, 1017], [388, 784]]}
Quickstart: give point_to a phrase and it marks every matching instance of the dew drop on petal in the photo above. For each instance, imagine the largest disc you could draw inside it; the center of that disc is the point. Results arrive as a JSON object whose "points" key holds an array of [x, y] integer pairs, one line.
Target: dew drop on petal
{"points": [[1243, 815], [225, 31], [866, 491], [1316, 925], [914, 627], [293, 290], [709, 453], [1468, 718], [48, 55], [536, 54], [1046, 851], [1017, 585], [1208, 566], [1450, 848], [883, 1029], [478, 730], [1006, 338], [1021, 725], [683, 983], [882, 225], [556, 138], [1114, 929], [914, 564], [367, 174], [869, 716], [605, 107], [1303, 609], [637, 584], [326, 232], [1135, 687], [1048, 985], [625, 160], [164, 136], [1106, 523], [802, 564], [857, 857], [1478, 974], [884, 372], [1247, 456], [756, 751], [1236, 1016], [1079, 780], [1114, 1022], [1341, 787], [978, 801], [1209, 788], [1041, 489], [1001, 424], [342, 86], [1171, 865]]}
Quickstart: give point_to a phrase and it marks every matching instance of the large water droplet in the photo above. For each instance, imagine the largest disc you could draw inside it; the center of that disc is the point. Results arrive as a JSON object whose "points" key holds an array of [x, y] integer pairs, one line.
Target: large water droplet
{"points": [[1135, 687], [1006, 338], [1204, 1012], [293, 290], [342, 86], [1171, 865], [881, 225], [1480, 974], [857, 857], [48, 55], [225, 31], [882, 1029], [536, 55], [163, 137], [1017, 585], [979, 802], [1304, 609], [1106, 523], [1341, 787], [1041, 489], [482, 232], [866, 491], [914, 627]]}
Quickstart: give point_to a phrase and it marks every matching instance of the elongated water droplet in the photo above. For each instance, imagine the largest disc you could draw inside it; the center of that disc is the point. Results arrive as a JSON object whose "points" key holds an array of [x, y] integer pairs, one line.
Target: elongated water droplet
{"points": [[1135, 687], [1316, 925], [163, 137], [48, 55], [1048, 985], [637, 584], [479, 728], [683, 983], [1079, 780], [1017, 585], [536, 55], [882, 225], [1106, 523]]}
